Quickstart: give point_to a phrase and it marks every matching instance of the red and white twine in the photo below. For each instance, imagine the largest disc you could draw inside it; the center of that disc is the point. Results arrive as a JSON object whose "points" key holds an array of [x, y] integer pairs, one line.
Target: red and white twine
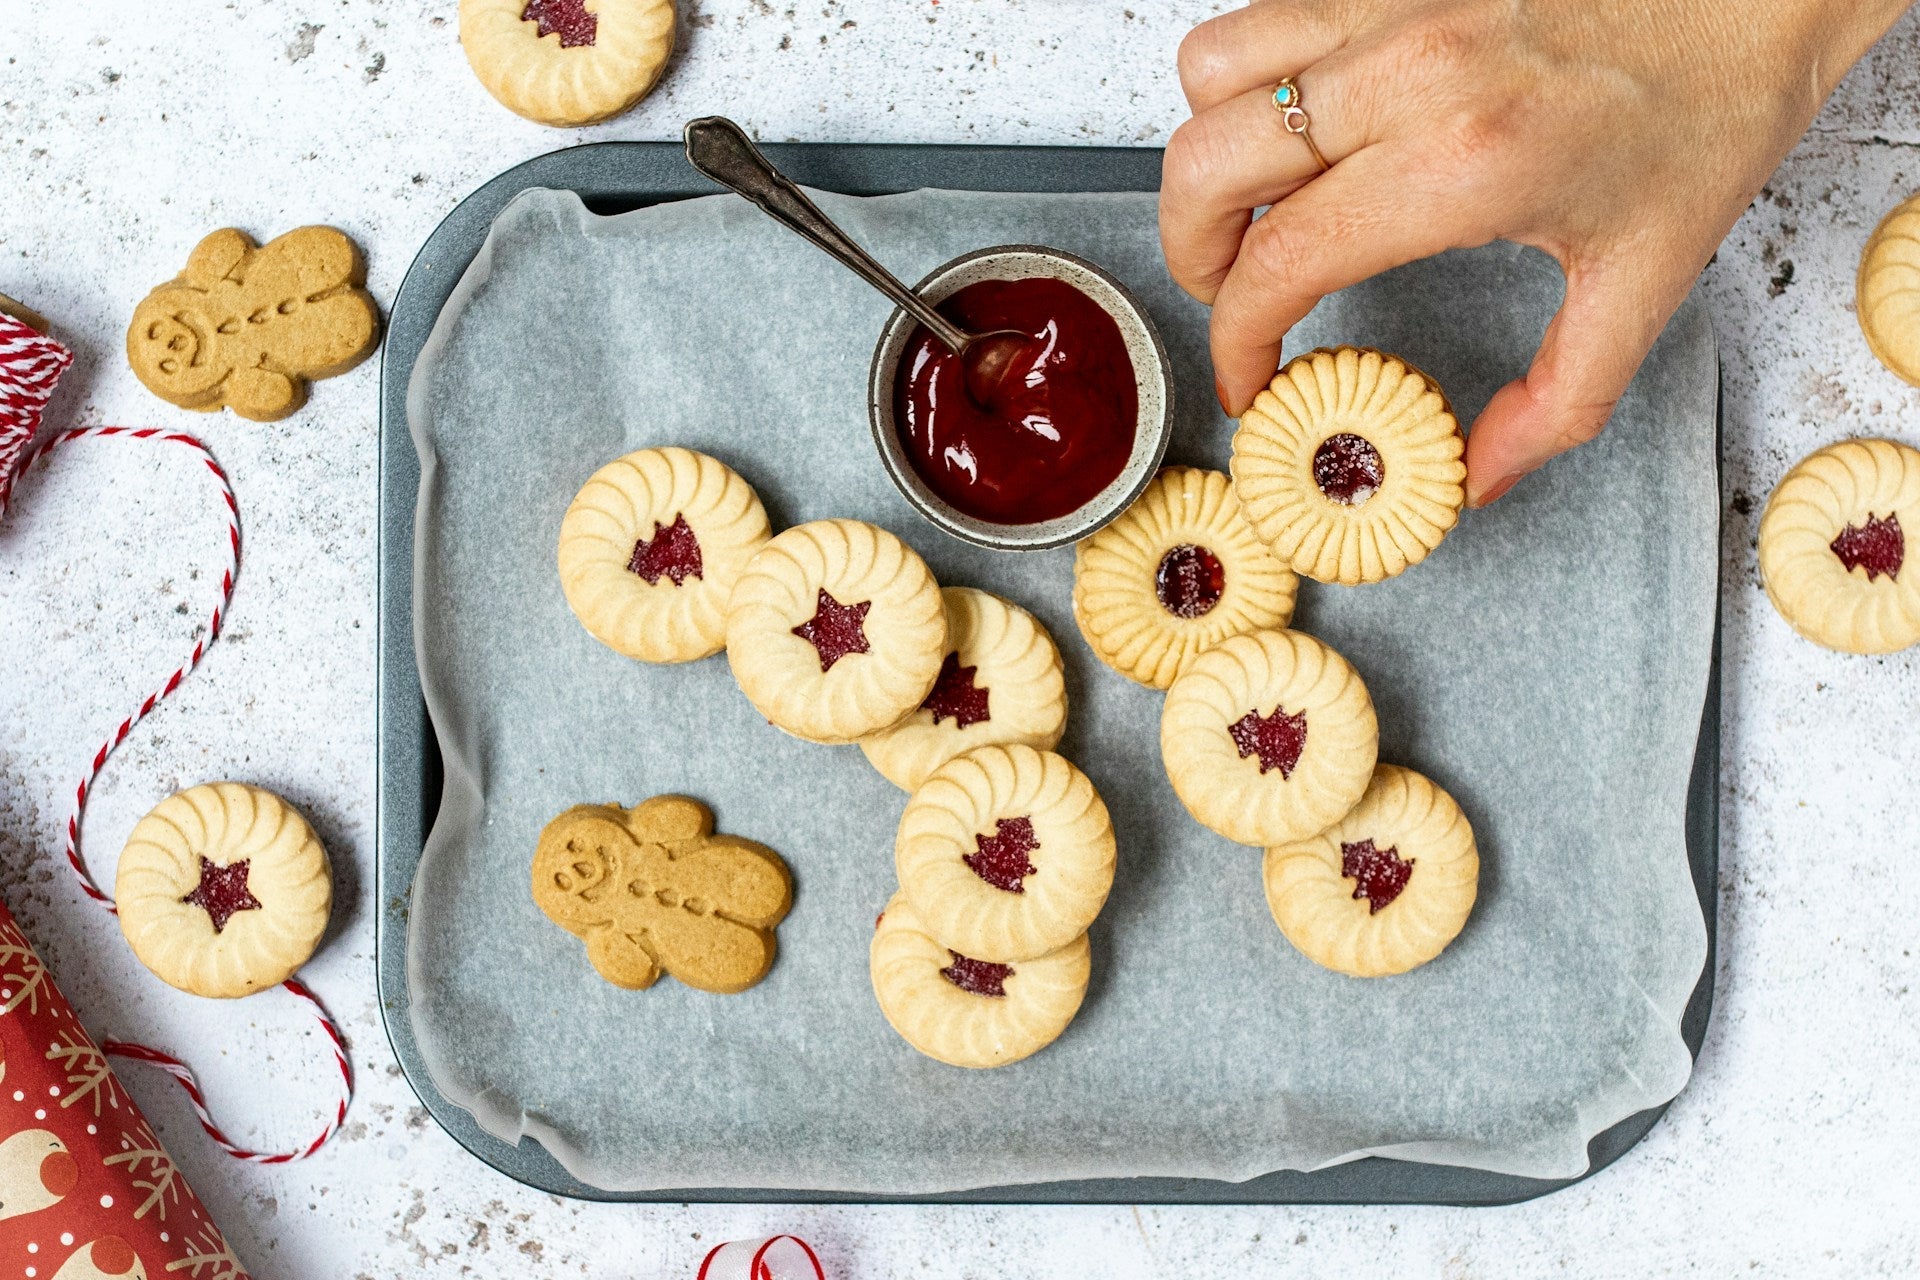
{"points": [[30, 365]]}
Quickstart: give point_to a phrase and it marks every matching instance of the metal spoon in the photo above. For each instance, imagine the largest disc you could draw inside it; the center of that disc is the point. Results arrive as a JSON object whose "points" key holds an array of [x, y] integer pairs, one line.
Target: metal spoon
{"points": [[720, 149]]}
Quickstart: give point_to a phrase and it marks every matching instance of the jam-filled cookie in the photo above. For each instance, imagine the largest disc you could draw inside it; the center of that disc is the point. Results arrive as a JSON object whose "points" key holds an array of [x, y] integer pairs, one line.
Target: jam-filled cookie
{"points": [[223, 890], [1269, 737], [1350, 465], [1838, 546], [1888, 290], [836, 630], [1006, 853], [650, 550], [1386, 888], [567, 62], [1000, 682], [1178, 572], [967, 1012]]}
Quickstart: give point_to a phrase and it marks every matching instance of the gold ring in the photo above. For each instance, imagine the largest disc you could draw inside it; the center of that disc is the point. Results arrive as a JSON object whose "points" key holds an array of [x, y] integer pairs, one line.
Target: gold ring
{"points": [[1293, 117]]}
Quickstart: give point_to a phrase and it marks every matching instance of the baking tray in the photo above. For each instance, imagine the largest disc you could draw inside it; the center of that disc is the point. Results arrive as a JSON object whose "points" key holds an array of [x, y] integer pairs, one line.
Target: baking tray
{"points": [[615, 177]]}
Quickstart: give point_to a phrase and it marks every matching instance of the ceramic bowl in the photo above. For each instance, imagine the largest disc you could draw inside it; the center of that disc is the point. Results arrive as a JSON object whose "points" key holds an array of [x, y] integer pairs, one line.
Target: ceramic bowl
{"points": [[1151, 369]]}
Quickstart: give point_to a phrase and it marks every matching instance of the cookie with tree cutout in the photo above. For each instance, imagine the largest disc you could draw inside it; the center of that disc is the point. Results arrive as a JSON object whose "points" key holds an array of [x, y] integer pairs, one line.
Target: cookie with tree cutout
{"points": [[567, 62]]}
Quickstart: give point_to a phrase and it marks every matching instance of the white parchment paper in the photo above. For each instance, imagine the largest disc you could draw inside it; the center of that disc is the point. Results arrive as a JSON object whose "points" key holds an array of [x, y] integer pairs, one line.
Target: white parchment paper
{"points": [[1546, 665]]}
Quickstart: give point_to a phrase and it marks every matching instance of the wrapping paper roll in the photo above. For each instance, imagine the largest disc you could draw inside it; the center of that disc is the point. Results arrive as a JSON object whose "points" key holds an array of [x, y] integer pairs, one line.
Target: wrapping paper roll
{"points": [[86, 1190]]}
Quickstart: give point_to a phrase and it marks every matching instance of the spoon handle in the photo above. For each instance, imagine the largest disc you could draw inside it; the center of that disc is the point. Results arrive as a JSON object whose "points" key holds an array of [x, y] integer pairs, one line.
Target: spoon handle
{"points": [[720, 149]]}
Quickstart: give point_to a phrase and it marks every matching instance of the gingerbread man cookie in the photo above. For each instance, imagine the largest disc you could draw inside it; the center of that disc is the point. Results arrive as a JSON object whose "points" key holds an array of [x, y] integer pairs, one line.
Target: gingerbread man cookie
{"points": [[244, 326], [652, 889]]}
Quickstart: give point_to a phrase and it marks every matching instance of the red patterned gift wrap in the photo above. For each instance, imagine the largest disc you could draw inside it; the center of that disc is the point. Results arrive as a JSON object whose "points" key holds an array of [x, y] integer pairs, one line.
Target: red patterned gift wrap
{"points": [[86, 1190]]}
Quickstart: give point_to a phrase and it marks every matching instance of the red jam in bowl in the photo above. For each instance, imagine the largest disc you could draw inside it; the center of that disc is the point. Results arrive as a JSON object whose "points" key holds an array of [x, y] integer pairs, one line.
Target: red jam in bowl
{"points": [[1062, 423]]}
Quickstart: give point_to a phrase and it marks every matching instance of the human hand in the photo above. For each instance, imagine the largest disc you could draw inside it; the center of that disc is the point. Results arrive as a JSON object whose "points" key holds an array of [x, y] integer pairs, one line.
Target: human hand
{"points": [[1624, 138]]}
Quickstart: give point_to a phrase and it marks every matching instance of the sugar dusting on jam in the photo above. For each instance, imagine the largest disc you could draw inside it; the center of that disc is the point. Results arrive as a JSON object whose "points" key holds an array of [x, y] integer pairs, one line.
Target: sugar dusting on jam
{"points": [[954, 694], [222, 892], [1277, 739], [1877, 546], [1002, 857], [1378, 874], [977, 977], [1189, 581], [567, 18], [1348, 469], [835, 630], [673, 552]]}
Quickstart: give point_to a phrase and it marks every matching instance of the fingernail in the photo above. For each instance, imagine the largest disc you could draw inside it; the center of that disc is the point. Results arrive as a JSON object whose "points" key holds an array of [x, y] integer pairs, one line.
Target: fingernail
{"points": [[1220, 394], [1498, 491]]}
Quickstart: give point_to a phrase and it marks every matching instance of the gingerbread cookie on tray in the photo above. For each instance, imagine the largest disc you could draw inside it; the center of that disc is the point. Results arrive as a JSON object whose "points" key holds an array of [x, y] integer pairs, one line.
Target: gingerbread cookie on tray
{"points": [[1350, 465], [967, 1012], [1838, 543], [1178, 572], [651, 547], [567, 62], [1001, 682], [1386, 888], [836, 630]]}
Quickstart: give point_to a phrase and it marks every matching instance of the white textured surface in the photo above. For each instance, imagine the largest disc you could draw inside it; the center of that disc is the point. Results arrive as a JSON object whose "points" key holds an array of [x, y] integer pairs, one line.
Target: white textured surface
{"points": [[128, 134]]}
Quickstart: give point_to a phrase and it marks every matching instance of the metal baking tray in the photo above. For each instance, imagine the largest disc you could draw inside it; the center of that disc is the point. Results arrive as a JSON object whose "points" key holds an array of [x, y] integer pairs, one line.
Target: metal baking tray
{"points": [[614, 177]]}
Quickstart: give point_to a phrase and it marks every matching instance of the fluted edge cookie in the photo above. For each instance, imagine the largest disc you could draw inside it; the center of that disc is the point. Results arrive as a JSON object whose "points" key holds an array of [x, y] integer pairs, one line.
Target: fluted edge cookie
{"points": [[1350, 465], [1837, 544], [654, 889], [1386, 888], [567, 62], [836, 630], [1887, 290], [1006, 853], [223, 889], [967, 1012], [1269, 737], [1180, 570], [1001, 682], [650, 549]]}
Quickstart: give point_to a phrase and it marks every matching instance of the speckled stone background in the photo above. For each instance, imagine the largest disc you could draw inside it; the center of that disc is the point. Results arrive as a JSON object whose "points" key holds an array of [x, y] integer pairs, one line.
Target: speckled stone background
{"points": [[128, 130]]}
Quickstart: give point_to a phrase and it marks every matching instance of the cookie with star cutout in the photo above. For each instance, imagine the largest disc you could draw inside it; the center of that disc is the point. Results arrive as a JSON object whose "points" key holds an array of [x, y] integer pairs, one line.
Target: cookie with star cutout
{"points": [[1006, 853], [1001, 682], [223, 890], [1178, 572], [1838, 544], [1386, 888], [1350, 465], [836, 630], [567, 62], [650, 549], [968, 1012], [1269, 737]]}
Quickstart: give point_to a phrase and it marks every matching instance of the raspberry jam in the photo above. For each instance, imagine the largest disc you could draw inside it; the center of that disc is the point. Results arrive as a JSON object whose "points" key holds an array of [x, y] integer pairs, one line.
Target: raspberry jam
{"points": [[977, 977], [1189, 581], [1876, 546], [222, 892], [954, 694], [1002, 857], [673, 553], [835, 630], [1378, 874], [1061, 430], [568, 18], [1277, 739], [1347, 469]]}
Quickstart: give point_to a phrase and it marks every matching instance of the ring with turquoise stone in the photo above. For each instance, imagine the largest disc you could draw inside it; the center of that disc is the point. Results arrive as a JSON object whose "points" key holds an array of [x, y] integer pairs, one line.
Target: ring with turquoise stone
{"points": [[1293, 117]]}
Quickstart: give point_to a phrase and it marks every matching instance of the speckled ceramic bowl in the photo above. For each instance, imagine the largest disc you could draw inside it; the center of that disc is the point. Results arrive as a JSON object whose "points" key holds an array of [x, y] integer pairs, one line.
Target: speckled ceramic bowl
{"points": [[1150, 365]]}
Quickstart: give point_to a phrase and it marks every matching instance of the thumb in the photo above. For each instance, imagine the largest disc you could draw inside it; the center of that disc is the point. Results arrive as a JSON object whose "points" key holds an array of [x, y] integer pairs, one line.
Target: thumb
{"points": [[1588, 355]]}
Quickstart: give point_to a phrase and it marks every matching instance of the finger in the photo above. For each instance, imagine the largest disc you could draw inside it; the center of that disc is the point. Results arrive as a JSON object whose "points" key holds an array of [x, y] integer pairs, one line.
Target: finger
{"points": [[1589, 354], [1371, 212], [1242, 50], [1237, 156]]}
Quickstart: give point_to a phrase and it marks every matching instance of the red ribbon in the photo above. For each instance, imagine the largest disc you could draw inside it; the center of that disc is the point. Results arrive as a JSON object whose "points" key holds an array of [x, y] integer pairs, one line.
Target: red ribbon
{"points": [[774, 1258]]}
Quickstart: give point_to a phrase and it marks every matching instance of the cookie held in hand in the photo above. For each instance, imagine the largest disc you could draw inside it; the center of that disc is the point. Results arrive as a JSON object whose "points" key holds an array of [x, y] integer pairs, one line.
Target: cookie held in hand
{"points": [[567, 62], [1350, 465], [223, 889], [1386, 888], [653, 890], [245, 327]]}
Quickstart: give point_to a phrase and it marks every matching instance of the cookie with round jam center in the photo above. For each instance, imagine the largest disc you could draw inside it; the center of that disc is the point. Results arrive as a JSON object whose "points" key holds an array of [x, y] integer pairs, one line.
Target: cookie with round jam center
{"points": [[1189, 581], [1348, 469]]}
